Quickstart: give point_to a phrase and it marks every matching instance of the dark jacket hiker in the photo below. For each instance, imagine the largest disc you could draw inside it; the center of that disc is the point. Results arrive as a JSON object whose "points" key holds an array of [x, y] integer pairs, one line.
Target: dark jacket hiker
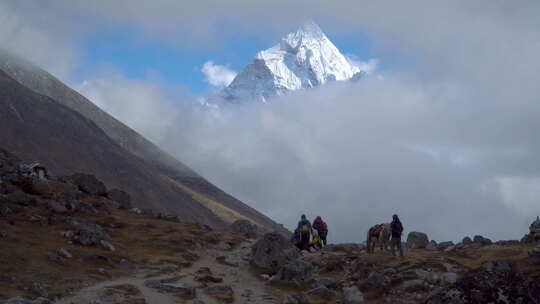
{"points": [[304, 226], [397, 230]]}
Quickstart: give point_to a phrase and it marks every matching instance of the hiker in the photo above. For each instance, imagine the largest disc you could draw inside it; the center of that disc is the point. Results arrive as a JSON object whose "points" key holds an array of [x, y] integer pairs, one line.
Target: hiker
{"points": [[322, 229], [304, 226], [397, 229]]}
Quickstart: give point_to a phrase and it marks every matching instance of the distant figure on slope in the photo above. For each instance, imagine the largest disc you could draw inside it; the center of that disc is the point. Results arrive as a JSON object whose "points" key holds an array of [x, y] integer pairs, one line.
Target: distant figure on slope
{"points": [[321, 228], [304, 226], [397, 229]]}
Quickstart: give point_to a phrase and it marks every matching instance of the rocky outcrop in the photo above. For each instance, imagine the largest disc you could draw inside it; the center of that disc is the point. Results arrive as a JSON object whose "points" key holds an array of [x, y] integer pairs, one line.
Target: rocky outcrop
{"points": [[244, 228], [480, 240], [91, 234], [272, 252], [534, 232], [121, 197], [417, 240], [497, 282], [87, 183], [467, 241], [296, 272]]}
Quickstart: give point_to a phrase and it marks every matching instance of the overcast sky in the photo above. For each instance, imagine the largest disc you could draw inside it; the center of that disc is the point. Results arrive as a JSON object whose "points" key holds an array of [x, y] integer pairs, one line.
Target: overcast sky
{"points": [[444, 132]]}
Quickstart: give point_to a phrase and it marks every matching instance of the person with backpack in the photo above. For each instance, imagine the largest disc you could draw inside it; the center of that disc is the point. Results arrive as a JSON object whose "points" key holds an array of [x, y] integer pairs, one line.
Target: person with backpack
{"points": [[397, 229], [321, 228], [305, 232]]}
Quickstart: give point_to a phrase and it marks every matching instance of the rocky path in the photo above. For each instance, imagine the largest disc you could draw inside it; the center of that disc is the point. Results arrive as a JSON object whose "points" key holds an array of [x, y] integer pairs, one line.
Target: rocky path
{"points": [[225, 274]]}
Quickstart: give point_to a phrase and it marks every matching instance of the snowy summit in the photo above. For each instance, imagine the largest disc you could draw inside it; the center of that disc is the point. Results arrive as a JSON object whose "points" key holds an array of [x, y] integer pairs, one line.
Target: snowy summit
{"points": [[303, 59]]}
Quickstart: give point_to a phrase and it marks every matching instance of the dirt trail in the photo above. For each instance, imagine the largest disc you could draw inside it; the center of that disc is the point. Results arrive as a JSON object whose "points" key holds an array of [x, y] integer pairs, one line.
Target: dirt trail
{"points": [[247, 286]]}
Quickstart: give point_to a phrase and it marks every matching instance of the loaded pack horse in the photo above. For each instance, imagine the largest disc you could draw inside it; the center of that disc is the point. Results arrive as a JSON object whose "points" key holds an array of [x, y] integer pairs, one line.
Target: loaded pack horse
{"points": [[379, 234]]}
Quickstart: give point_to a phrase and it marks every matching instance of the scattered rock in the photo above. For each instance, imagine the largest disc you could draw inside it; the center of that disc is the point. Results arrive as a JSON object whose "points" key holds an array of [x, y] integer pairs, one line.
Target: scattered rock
{"points": [[417, 240], [273, 251], [38, 290], [121, 197], [498, 283], [296, 272], [220, 292], [244, 228], [324, 293], [17, 300], [498, 266], [450, 248], [352, 295], [185, 290], [91, 234], [467, 241], [444, 245], [3, 234], [4, 209], [64, 253], [432, 245], [328, 282], [107, 245], [478, 239], [101, 270], [298, 298], [225, 261], [345, 247], [376, 279], [87, 183], [57, 207], [68, 234], [535, 253], [19, 197], [413, 285]]}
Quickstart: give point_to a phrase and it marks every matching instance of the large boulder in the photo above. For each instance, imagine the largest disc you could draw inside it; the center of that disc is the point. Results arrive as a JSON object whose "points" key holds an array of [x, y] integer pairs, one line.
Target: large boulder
{"points": [[467, 241], [498, 282], [244, 228], [121, 197], [87, 183], [296, 272], [91, 234], [417, 240], [478, 239], [273, 251], [534, 232]]}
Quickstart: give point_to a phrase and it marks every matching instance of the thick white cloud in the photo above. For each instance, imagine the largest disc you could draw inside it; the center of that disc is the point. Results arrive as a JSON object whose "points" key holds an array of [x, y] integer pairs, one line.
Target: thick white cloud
{"points": [[217, 75], [368, 66]]}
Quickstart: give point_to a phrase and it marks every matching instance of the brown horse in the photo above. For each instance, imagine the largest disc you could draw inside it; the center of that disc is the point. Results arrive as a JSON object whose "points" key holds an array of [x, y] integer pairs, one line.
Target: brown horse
{"points": [[380, 234]]}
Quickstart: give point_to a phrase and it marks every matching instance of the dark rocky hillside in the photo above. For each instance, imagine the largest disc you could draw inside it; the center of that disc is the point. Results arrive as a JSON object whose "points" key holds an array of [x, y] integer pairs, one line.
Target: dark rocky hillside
{"points": [[44, 119]]}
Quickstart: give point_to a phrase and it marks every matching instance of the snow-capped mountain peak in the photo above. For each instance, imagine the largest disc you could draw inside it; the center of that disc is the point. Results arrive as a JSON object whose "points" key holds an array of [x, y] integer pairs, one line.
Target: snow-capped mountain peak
{"points": [[303, 59]]}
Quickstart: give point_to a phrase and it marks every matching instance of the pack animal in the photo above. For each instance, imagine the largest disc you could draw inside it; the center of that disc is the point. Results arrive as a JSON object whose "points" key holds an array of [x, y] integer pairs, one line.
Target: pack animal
{"points": [[378, 235]]}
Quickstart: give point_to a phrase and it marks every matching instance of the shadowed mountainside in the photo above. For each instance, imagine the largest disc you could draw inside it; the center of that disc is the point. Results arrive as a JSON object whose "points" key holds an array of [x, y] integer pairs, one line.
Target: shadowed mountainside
{"points": [[162, 182]]}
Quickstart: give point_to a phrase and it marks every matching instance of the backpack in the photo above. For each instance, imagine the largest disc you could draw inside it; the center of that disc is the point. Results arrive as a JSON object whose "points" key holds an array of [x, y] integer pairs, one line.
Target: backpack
{"points": [[324, 226]]}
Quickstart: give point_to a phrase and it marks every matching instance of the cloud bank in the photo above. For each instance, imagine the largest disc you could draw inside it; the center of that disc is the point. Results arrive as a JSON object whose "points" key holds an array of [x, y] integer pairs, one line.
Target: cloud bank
{"points": [[217, 75], [448, 140]]}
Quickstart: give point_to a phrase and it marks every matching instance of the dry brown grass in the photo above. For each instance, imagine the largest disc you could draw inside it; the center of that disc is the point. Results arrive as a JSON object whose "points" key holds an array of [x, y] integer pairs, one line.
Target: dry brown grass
{"points": [[29, 255]]}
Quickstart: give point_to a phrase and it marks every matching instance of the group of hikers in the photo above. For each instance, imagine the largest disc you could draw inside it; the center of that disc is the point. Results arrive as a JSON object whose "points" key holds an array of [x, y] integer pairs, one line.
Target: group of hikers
{"points": [[309, 236]]}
